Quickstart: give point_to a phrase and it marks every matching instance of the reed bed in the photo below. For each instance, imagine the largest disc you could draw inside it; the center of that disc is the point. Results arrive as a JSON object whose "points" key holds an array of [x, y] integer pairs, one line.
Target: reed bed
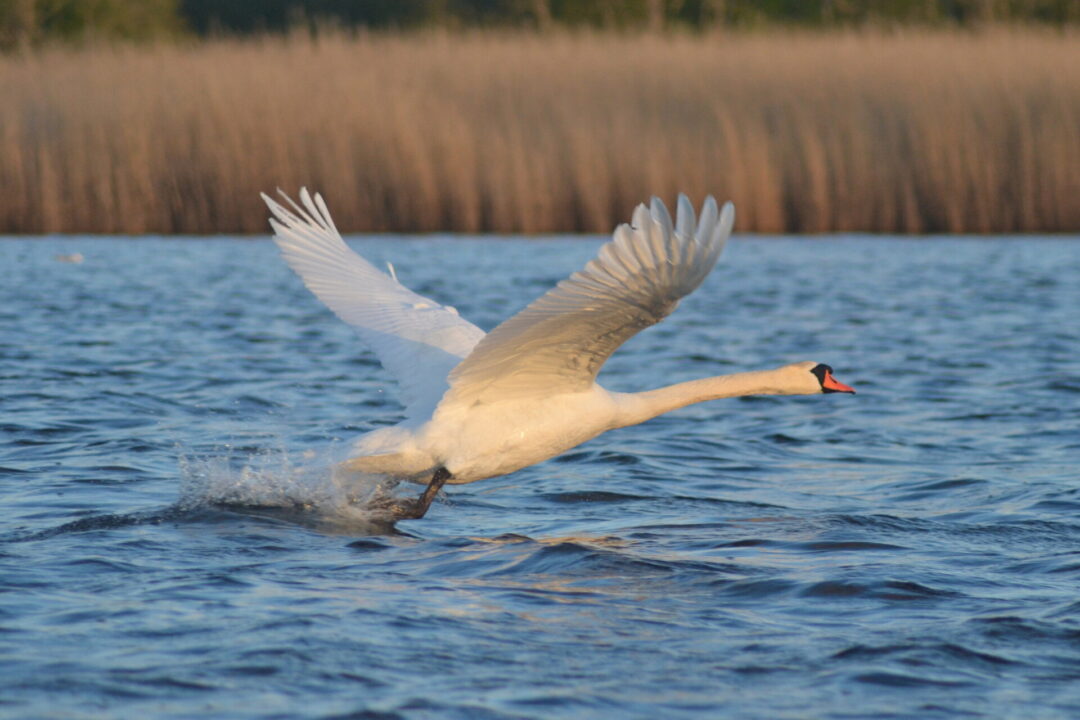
{"points": [[493, 132]]}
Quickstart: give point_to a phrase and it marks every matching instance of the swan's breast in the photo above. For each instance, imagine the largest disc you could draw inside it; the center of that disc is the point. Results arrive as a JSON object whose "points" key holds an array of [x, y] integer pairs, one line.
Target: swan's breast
{"points": [[483, 441]]}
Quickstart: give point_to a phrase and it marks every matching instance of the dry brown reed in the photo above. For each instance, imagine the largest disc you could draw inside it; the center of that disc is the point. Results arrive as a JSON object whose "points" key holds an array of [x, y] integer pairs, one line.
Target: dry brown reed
{"points": [[920, 132]]}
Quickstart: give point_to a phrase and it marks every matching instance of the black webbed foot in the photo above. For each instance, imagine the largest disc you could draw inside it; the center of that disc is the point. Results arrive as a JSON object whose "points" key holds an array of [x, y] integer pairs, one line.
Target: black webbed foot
{"points": [[415, 509]]}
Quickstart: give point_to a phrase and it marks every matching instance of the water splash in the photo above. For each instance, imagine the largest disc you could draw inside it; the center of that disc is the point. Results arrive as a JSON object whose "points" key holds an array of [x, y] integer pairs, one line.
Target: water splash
{"points": [[307, 488]]}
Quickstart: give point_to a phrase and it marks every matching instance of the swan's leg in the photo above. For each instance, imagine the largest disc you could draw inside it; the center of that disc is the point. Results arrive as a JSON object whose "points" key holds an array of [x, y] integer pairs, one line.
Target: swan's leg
{"points": [[419, 507]]}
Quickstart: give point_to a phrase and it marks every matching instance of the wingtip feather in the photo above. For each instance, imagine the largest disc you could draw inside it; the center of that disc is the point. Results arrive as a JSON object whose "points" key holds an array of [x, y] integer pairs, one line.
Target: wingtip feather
{"points": [[727, 217], [659, 213], [707, 221], [685, 219]]}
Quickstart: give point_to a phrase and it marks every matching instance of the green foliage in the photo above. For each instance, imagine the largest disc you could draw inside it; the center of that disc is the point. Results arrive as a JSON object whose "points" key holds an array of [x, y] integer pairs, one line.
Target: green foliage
{"points": [[108, 19], [28, 22], [18, 23]]}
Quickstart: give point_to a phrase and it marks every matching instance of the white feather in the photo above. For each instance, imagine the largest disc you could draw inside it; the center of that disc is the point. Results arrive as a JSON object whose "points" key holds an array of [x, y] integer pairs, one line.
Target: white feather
{"points": [[480, 406], [559, 342], [415, 338]]}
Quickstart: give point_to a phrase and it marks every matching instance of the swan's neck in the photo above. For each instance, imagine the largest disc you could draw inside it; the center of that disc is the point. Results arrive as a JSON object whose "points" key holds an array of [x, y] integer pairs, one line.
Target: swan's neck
{"points": [[638, 407]]}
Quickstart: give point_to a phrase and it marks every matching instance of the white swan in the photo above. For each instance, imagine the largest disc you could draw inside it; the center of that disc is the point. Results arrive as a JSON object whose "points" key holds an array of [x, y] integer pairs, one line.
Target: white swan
{"points": [[478, 405]]}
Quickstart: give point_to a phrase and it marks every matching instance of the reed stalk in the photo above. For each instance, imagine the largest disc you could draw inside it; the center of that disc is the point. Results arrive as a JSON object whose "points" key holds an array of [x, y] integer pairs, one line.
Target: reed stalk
{"points": [[914, 132]]}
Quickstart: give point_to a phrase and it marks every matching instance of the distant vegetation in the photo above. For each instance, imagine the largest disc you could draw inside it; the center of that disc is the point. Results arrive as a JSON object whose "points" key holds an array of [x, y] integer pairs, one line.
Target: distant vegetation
{"points": [[28, 22], [540, 115], [509, 132]]}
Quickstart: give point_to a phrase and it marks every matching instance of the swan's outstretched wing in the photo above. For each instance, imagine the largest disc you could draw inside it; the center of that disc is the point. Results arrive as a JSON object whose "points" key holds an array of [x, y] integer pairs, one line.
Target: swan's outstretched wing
{"points": [[416, 339], [559, 342]]}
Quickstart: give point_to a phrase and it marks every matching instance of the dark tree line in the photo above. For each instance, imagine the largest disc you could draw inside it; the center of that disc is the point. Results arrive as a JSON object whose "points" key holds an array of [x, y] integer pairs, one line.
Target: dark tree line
{"points": [[245, 16], [27, 22]]}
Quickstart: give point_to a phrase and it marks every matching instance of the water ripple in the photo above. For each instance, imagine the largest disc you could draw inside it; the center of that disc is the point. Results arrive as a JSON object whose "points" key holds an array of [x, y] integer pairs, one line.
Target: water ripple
{"points": [[175, 545]]}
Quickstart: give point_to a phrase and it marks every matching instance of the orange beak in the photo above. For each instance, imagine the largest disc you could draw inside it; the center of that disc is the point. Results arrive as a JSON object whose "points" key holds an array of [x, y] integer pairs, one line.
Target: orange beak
{"points": [[831, 384]]}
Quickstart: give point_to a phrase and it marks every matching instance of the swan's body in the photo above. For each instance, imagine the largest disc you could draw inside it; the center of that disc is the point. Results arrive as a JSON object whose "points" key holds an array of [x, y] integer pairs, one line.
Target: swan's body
{"points": [[481, 405]]}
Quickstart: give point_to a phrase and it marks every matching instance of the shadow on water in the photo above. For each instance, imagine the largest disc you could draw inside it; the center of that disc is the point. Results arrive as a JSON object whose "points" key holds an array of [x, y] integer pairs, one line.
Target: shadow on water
{"points": [[365, 525], [109, 521]]}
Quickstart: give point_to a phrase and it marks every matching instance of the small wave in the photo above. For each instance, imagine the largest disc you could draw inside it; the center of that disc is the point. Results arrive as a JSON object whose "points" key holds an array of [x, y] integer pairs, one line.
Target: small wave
{"points": [[941, 653], [907, 680], [569, 557], [592, 496], [754, 588], [1004, 628]]}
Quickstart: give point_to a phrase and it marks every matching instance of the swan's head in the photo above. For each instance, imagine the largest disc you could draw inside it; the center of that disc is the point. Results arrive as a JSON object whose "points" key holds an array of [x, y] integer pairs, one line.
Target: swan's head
{"points": [[826, 382], [808, 378]]}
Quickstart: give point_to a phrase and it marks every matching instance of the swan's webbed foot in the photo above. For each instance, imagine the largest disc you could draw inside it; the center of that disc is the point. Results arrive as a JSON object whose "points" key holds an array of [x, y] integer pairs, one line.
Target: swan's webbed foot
{"points": [[415, 509]]}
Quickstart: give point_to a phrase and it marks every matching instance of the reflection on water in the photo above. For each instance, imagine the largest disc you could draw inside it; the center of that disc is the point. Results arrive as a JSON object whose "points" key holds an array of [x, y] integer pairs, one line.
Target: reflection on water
{"points": [[176, 544]]}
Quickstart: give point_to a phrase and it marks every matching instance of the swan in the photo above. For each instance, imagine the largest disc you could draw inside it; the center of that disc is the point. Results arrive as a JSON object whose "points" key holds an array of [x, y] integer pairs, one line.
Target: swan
{"points": [[481, 405]]}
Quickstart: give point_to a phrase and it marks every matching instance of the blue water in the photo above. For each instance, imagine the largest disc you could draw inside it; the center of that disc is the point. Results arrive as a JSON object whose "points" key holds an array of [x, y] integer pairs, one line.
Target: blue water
{"points": [[912, 551]]}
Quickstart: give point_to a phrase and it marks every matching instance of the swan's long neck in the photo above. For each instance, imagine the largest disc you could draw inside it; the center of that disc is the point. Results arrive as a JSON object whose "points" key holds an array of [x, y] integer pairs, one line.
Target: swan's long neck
{"points": [[638, 407]]}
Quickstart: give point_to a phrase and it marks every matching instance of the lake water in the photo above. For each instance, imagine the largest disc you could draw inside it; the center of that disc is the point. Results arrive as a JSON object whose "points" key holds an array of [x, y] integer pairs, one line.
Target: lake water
{"points": [[909, 552]]}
